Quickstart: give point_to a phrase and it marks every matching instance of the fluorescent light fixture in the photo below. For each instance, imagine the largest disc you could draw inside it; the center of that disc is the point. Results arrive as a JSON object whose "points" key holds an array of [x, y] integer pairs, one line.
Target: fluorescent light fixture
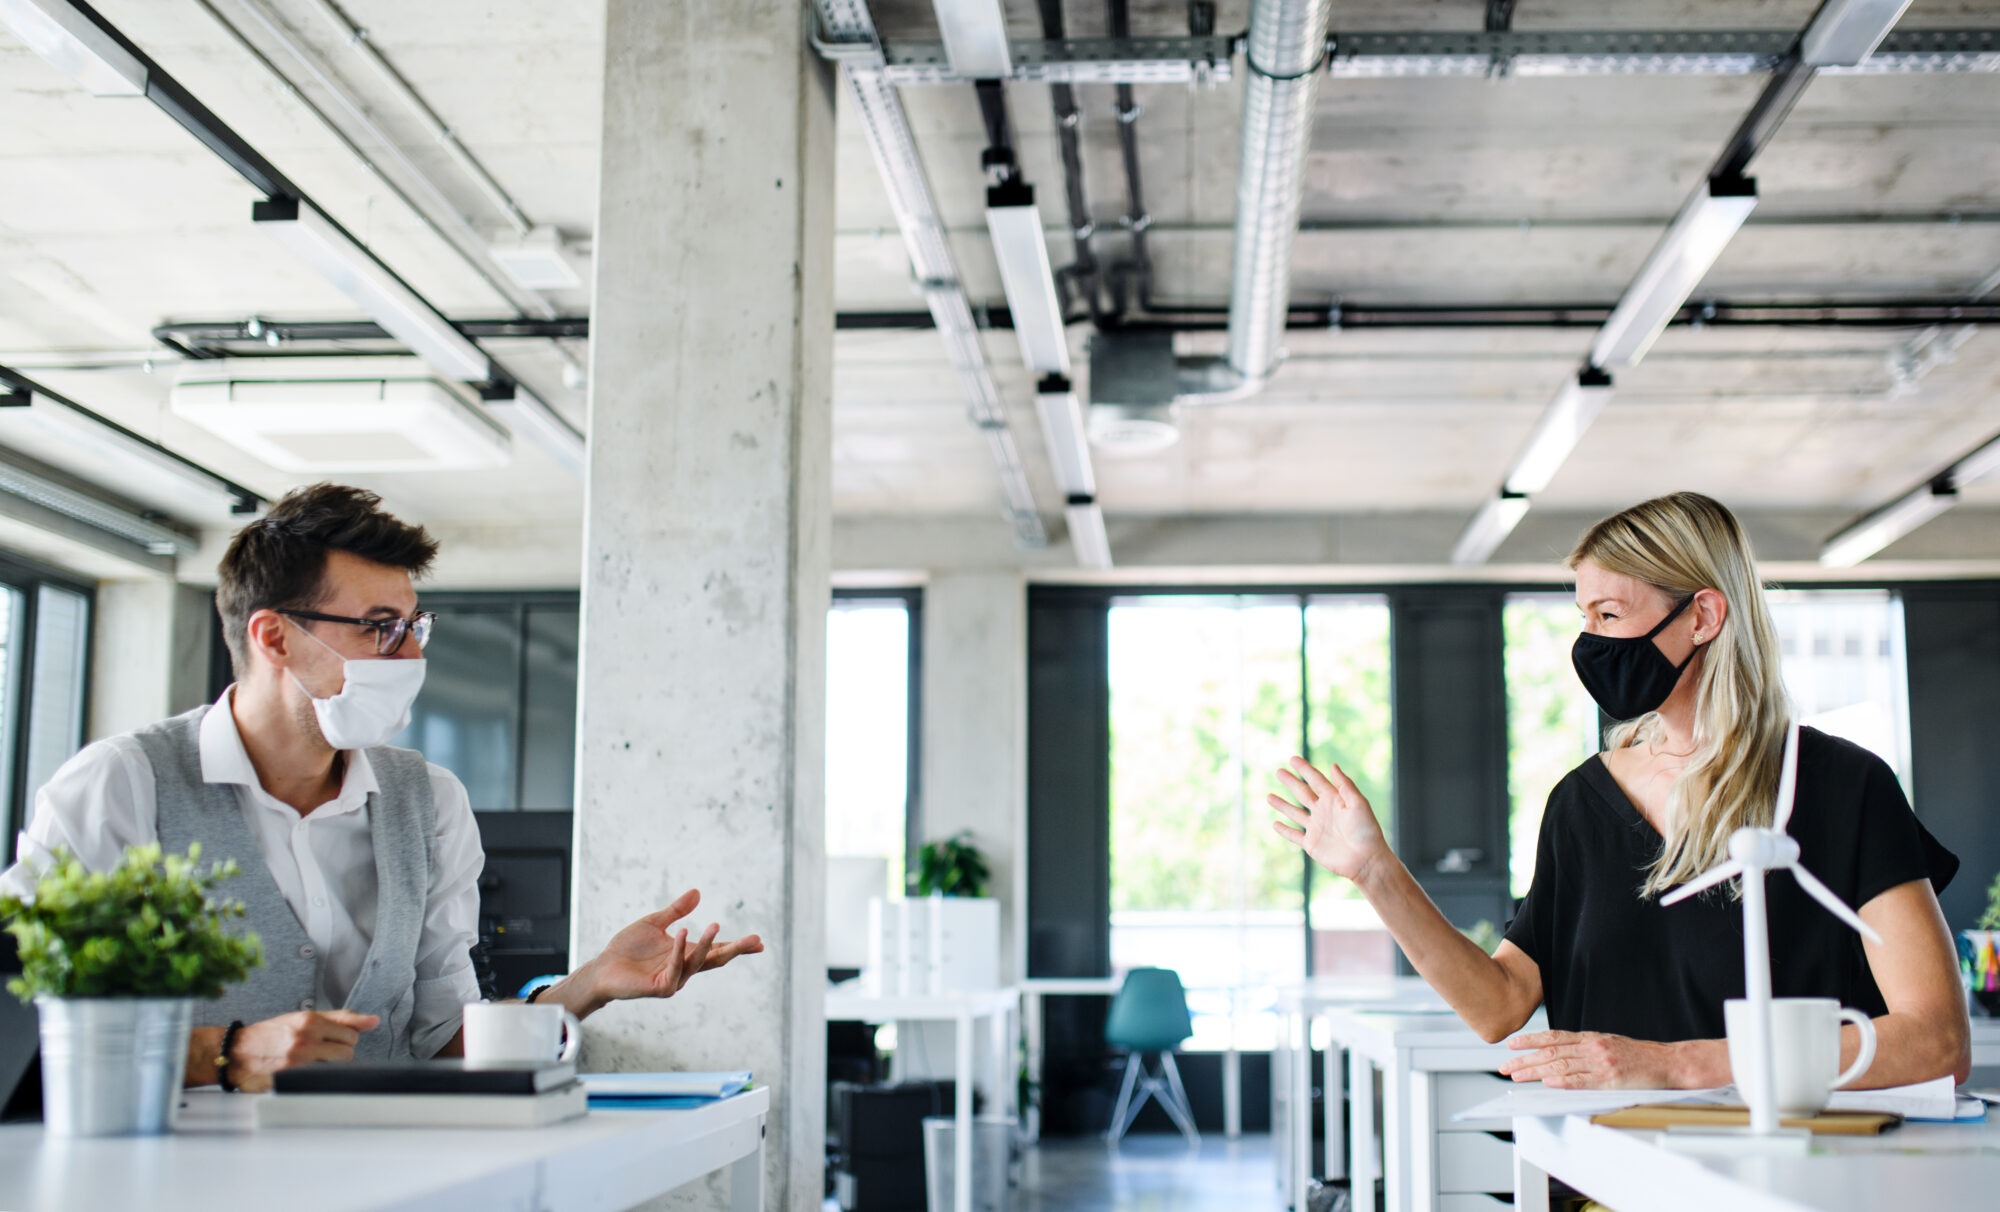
{"points": [[1068, 437], [100, 515], [1016, 225], [1677, 265], [340, 423], [1844, 32], [137, 468], [386, 298], [529, 416], [975, 38], [1489, 528], [1086, 533], [1562, 425], [1887, 524], [1982, 462], [76, 46]]}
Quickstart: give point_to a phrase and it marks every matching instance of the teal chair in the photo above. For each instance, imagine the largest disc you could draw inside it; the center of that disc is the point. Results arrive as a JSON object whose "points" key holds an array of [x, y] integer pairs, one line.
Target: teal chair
{"points": [[1150, 1015]]}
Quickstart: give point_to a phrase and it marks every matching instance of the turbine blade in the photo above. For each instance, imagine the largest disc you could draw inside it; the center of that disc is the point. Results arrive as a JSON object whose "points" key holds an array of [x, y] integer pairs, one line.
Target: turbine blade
{"points": [[1788, 779], [1834, 905], [1706, 880]]}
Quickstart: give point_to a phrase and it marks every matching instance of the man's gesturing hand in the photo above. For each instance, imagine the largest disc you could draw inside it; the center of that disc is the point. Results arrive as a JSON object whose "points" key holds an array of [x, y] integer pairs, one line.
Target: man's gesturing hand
{"points": [[650, 959], [299, 1038]]}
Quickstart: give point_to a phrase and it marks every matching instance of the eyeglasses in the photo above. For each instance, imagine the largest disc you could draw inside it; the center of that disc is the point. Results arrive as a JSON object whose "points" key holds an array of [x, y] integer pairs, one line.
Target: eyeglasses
{"points": [[389, 633]]}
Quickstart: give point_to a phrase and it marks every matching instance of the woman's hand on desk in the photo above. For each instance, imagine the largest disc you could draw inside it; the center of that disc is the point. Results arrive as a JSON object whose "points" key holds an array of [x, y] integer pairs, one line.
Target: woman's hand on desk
{"points": [[650, 959], [1334, 823], [1588, 1060]]}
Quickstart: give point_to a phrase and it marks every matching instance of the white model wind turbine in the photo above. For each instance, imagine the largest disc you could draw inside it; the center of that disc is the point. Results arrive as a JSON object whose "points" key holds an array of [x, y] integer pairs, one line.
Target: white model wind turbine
{"points": [[1752, 853]]}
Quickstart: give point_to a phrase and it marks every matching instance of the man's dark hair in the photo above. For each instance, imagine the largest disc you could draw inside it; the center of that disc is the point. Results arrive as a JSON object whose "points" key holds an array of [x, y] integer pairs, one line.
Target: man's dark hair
{"points": [[278, 562]]}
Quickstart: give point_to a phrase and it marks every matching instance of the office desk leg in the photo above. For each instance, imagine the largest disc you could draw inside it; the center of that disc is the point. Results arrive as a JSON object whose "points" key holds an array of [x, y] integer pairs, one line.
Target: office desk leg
{"points": [[1396, 1130], [961, 1175], [1232, 1093], [1364, 1160], [1336, 1109], [1531, 1185], [746, 1179], [1031, 1033], [1006, 1084], [1299, 1117]]}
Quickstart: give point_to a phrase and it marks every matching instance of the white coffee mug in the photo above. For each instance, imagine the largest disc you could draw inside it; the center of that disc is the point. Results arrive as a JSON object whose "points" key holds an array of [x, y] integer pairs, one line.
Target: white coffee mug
{"points": [[1805, 1050], [513, 1032]]}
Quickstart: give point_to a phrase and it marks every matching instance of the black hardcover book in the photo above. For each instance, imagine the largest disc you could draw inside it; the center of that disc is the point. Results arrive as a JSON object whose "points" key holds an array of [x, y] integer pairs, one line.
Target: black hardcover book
{"points": [[424, 1077]]}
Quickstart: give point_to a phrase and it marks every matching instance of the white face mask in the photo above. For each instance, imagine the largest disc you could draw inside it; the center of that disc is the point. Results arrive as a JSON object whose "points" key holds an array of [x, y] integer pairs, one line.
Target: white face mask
{"points": [[373, 706]]}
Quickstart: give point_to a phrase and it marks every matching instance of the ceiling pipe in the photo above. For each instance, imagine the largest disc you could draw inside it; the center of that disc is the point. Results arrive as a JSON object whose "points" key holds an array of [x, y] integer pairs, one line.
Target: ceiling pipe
{"points": [[1284, 51]]}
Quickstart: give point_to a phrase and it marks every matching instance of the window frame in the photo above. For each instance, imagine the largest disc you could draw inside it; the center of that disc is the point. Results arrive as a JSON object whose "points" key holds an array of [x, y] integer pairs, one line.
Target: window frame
{"points": [[27, 577]]}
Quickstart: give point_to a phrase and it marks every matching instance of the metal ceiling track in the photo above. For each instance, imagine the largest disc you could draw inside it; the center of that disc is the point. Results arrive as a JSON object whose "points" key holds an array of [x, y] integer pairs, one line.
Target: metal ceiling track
{"points": [[1435, 54], [851, 42]]}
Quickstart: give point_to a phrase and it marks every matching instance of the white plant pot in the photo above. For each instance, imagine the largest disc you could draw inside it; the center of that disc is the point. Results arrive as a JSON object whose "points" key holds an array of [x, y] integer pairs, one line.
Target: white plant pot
{"points": [[112, 1066]]}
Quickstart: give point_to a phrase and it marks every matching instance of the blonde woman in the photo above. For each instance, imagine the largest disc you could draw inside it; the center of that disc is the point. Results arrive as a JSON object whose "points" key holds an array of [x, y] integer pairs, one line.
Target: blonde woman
{"points": [[1678, 642]]}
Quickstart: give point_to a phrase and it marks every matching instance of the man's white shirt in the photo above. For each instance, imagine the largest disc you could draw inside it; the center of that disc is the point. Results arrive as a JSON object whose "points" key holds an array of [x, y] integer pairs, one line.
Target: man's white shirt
{"points": [[104, 799]]}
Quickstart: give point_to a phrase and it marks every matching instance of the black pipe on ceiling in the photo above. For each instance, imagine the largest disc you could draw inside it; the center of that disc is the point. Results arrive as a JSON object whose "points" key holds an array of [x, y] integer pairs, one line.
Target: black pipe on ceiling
{"points": [[1082, 277], [273, 338]]}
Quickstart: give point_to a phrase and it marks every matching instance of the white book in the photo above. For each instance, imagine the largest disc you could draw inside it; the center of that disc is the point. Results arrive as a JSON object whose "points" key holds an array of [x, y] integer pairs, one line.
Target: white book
{"points": [[422, 1110]]}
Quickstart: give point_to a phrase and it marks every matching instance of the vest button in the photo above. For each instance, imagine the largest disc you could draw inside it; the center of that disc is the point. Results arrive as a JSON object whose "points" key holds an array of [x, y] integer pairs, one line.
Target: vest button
{"points": [[305, 1003], [306, 951]]}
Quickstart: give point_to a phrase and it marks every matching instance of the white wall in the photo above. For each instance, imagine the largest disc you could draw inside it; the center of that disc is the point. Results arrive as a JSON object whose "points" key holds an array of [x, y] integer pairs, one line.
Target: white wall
{"points": [[149, 658], [975, 689]]}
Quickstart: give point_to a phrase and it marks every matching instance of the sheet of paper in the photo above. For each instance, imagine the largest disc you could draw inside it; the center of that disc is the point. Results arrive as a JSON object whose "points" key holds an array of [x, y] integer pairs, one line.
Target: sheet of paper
{"points": [[1926, 1100], [664, 1085], [1533, 1098]]}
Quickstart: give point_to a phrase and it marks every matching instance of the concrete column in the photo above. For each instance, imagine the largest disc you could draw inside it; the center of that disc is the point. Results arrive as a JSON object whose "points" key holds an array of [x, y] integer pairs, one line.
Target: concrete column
{"points": [[150, 647], [975, 730], [706, 539]]}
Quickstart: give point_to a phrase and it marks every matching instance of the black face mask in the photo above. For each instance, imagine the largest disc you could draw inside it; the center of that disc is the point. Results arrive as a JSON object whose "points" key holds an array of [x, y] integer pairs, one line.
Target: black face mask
{"points": [[1629, 675]]}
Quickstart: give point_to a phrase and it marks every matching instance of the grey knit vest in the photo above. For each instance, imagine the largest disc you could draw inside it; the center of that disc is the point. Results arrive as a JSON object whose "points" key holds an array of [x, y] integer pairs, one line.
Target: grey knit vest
{"points": [[401, 824]]}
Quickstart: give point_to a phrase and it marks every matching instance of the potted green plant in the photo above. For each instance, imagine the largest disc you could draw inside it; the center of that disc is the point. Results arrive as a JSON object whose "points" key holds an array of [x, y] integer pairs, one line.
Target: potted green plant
{"points": [[1979, 954], [952, 867], [114, 961]]}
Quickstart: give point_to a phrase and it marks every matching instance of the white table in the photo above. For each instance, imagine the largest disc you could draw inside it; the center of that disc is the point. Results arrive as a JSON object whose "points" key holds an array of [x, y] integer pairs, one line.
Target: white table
{"points": [[1915, 1166], [1433, 1066], [1033, 990], [852, 1004], [1299, 1006], [217, 1162]]}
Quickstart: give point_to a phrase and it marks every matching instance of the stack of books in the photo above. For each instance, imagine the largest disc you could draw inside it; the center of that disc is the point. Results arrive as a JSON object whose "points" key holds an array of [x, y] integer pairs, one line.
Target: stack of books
{"points": [[423, 1094]]}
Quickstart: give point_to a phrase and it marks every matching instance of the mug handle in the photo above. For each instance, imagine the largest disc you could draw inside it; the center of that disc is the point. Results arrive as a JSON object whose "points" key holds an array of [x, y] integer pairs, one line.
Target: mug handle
{"points": [[1866, 1056], [573, 1038]]}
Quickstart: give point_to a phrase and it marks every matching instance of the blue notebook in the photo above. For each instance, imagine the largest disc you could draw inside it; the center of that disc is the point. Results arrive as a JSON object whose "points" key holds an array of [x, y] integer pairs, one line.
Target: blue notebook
{"points": [[661, 1091]]}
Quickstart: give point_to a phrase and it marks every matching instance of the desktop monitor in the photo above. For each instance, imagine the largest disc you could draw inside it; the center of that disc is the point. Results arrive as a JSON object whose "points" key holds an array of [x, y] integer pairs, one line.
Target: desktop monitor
{"points": [[524, 895]]}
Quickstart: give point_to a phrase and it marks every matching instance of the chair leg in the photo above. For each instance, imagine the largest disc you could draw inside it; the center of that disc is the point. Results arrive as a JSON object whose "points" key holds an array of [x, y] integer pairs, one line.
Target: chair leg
{"points": [[1177, 1105], [1119, 1121]]}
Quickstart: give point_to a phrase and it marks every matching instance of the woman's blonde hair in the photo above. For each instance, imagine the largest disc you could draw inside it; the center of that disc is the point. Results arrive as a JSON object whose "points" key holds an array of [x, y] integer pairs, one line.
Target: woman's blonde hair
{"points": [[1680, 544]]}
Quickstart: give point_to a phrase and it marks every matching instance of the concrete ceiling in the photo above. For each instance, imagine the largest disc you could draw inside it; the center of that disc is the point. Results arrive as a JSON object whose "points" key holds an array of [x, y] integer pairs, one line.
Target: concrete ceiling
{"points": [[1419, 191]]}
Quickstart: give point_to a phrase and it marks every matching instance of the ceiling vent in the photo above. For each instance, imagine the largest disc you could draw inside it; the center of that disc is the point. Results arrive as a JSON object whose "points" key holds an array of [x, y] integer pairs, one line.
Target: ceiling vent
{"points": [[1133, 382], [340, 415], [540, 260]]}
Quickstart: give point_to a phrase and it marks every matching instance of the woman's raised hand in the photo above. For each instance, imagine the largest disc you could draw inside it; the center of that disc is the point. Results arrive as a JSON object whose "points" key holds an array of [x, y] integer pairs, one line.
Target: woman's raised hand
{"points": [[1334, 823]]}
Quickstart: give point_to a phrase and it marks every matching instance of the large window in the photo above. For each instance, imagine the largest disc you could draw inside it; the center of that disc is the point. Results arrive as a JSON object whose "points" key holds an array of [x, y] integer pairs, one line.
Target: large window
{"points": [[44, 668], [498, 707], [1843, 667], [869, 750], [1210, 696], [1552, 724]]}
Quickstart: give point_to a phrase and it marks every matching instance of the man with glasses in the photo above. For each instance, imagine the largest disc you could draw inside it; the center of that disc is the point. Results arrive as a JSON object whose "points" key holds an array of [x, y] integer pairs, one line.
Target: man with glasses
{"points": [[360, 862]]}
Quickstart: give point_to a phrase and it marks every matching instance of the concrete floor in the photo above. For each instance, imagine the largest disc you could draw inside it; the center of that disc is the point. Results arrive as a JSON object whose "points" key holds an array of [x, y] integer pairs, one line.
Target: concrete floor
{"points": [[1149, 1173]]}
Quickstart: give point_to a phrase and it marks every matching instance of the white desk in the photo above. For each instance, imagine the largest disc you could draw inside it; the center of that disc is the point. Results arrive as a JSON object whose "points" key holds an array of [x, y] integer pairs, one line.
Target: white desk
{"points": [[1915, 1166], [1299, 1006], [1033, 990], [845, 1004], [217, 1162], [1432, 1067]]}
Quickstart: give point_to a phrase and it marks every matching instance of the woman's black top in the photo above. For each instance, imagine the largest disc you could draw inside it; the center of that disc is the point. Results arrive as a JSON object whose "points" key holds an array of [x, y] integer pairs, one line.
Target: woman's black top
{"points": [[1615, 961]]}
